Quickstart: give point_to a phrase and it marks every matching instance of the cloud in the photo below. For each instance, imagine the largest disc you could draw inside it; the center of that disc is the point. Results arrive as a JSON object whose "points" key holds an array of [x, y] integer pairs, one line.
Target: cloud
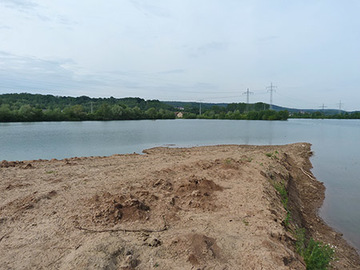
{"points": [[66, 77], [149, 9], [20, 5], [5, 27], [19, 73], [34, 10]]}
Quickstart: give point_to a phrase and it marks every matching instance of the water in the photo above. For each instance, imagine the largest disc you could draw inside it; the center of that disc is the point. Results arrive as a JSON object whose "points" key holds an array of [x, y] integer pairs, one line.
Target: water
{"points": [[335, 143]]}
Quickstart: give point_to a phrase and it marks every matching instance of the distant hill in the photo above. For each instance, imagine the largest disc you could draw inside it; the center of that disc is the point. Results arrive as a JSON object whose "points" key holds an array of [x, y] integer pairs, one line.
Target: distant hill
{"points": [[183, 104], [205, 106], [293, 110]]}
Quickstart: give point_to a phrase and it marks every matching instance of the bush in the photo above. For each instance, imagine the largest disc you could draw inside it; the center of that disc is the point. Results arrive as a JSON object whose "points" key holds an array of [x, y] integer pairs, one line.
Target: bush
{"points": [[317, 255]]}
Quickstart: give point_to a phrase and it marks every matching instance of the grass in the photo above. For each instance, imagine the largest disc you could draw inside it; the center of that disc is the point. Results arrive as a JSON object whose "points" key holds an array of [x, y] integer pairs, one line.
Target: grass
{"points": [[246, 223], [228, 161], [316, 254], [272, 155], [280, 187], [287, 219]]}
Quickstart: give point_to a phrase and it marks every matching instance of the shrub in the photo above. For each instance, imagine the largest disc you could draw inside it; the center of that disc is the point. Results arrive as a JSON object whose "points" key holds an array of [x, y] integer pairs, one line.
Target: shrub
{"points": [[317, 255]]}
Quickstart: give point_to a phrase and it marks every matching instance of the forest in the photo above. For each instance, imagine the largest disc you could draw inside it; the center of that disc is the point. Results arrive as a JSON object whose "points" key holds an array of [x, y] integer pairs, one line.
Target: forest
{"points": [[35, 107], [26, 107]]}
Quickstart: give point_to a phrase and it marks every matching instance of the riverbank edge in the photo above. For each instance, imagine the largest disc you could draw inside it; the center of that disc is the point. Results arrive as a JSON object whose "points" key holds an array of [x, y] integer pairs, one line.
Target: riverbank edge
{"points": [[304, 204]]}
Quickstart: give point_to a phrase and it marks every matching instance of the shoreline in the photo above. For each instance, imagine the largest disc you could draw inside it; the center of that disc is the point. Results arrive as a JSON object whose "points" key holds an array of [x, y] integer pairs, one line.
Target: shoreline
{"points": [[192, 192]]}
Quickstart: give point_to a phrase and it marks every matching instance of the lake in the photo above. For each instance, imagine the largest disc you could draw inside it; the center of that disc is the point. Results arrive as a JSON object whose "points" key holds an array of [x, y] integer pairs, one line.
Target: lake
{"points": [[335, 143]]}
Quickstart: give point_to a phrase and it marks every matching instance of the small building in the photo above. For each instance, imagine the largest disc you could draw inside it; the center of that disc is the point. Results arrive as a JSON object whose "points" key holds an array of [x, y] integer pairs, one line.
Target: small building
{"points": [[179, 115]]}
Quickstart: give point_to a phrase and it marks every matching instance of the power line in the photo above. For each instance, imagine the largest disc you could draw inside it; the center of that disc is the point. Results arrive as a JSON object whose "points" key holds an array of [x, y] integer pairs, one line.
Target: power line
{"points": [[271, 89]]}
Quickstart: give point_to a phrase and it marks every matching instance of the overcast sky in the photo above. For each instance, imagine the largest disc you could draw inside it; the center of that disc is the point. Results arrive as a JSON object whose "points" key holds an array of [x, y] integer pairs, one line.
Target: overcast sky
{"points": [[184, 50]]}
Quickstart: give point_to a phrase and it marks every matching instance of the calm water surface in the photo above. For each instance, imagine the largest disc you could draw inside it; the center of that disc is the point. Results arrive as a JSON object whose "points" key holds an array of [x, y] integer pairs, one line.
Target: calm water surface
{"points": [[335, 143]]}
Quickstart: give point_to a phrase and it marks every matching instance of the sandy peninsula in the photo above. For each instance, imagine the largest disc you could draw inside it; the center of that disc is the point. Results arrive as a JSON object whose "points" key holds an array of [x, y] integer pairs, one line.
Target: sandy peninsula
{"points": [[209, 207]]}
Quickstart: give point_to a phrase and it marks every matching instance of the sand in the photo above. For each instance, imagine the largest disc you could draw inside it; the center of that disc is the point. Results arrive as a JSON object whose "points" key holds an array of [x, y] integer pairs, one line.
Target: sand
{"points": [[209, 207]]}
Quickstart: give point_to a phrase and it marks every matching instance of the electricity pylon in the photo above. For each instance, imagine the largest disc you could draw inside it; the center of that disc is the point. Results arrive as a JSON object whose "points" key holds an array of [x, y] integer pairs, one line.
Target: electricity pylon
{"points": [[247, 93], [271, 89]]}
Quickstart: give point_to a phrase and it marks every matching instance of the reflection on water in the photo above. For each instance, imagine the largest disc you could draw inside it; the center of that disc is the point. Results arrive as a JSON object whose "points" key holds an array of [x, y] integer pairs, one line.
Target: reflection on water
{"points": [[335, 143]]}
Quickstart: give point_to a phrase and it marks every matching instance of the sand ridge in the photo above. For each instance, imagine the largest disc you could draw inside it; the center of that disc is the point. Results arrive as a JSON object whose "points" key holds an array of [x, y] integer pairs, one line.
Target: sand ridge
{"points": [[211, 207]]}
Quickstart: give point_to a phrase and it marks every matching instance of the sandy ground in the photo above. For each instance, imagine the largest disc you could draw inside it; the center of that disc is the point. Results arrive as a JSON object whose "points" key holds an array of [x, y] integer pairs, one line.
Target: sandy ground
{"points": [[172, 208]]}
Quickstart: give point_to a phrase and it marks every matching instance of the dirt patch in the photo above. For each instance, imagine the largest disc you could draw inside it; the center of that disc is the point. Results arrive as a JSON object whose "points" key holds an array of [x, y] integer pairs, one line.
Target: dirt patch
{"points": [[172, 208], [112, 209], [202, 249]]}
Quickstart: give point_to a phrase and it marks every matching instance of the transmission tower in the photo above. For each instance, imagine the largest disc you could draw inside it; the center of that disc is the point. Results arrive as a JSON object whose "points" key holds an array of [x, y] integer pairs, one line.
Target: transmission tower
{"points": [[340, 104], [200, 101], [271, 89], [247, 93], [323, 108]]}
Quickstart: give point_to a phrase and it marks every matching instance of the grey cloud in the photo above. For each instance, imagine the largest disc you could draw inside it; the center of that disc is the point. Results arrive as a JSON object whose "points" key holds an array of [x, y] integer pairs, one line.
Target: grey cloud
{"points": [[34, 10], [64, 20], [21, 73], [59, 19], [20, 5], [147, 8], [28, 73], [59, 77], [5, 27]]}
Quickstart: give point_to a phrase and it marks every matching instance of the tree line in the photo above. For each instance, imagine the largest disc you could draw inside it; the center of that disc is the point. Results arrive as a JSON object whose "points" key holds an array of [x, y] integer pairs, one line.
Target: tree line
{"points": [[26, 107], [35, 107], [239, 111], [321, 115]]}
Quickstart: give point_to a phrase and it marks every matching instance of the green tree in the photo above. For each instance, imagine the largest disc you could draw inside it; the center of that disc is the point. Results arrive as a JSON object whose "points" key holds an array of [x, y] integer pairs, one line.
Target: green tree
{"points": [[6, 114], [151, 113], [118, 112], [28, 113], [104, 112], [75, 113]]}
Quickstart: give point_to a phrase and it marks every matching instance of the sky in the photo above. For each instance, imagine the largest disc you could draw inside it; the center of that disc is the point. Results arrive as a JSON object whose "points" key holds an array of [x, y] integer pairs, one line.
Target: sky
{"points": [[184, 50]]}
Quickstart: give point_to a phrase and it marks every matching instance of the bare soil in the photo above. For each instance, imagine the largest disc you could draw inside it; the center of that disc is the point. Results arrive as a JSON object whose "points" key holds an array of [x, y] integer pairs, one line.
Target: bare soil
{"points": [[209, 207]]}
